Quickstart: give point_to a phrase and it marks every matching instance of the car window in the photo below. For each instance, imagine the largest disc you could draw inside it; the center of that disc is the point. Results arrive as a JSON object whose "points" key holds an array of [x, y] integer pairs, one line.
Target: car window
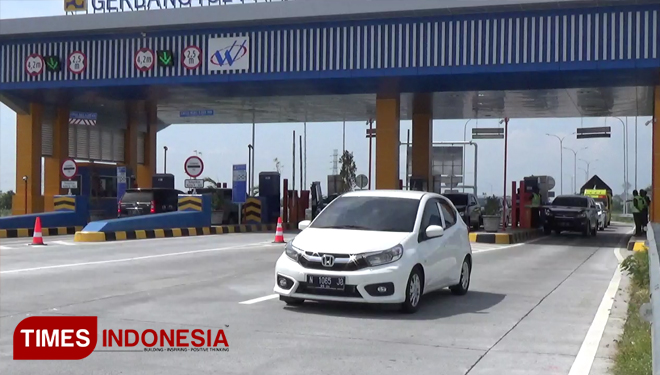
{"points": [[482, 201], [431, 215], [137, 196], [571, 202], [369, 213], [448, 213], [457, 199]]}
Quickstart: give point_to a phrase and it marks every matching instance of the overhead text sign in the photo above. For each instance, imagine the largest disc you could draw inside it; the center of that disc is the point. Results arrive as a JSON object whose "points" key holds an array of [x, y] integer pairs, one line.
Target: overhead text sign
{"points": [[100, 6]]}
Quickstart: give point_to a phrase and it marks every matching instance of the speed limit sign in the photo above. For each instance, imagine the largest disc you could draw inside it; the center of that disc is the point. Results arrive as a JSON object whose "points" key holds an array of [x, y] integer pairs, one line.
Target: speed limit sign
{"points": [[191, 57]]}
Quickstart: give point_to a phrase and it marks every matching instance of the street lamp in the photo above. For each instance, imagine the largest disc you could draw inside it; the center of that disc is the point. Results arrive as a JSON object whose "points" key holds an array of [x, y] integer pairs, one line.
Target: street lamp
{"points": [[588, 163], [165, 160], [25, 179], [575, 165], [625, 162], [465, 140], [561, 160]]}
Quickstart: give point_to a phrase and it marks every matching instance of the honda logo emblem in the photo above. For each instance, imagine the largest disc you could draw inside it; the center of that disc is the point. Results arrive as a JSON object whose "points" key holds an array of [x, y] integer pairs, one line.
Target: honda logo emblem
{"points": [[328, 260]]}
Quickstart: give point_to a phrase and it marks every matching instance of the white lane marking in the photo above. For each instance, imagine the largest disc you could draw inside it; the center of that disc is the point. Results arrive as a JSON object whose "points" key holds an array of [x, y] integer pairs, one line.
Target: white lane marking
{"points": [[585, 357], [130, 259], [502, 247], [5, 248], [260, 299]]}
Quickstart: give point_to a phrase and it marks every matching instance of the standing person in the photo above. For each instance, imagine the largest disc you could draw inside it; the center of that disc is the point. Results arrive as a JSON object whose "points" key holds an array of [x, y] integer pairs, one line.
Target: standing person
{"points": [[536, 208], [645, 210], [637, 205]]}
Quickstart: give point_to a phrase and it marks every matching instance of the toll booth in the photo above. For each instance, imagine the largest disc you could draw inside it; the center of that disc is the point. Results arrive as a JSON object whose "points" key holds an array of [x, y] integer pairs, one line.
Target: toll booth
{"points": [[98, 183], [270, 194], [419, 184]]}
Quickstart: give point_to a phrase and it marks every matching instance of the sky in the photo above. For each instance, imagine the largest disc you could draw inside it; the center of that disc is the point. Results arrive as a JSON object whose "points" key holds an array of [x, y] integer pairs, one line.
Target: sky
{"points": [[530, 150]]}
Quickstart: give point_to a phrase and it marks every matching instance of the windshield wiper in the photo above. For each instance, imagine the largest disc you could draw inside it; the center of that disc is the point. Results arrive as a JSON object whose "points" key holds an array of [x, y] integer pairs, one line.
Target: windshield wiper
{"points": [[344, 227]]}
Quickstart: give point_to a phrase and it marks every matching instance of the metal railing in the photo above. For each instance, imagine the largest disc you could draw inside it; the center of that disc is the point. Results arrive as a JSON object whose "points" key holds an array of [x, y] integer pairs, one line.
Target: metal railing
{"points": [[654, 289]]}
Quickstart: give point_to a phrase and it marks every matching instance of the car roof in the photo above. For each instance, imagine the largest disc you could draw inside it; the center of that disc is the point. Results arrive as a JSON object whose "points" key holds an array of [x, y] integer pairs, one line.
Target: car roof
{"points": [[572, 196], [406, 194]]}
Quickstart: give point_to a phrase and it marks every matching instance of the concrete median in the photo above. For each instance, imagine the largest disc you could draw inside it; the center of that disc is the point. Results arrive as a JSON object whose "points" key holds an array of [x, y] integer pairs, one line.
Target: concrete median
{"points": [[506, 238]]}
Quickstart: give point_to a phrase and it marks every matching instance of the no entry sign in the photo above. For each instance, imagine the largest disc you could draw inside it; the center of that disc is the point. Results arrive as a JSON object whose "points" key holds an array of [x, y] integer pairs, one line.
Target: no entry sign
{"points": [[69, 168], [194, 166]]}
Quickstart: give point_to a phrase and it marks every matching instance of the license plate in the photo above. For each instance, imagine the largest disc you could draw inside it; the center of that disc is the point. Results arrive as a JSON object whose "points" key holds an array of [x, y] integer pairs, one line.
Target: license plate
{"points": [[326, 282]]}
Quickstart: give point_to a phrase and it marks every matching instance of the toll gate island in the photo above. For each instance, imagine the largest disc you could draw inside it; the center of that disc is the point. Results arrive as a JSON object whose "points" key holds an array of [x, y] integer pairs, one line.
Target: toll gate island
{"points": [[99, 83]]}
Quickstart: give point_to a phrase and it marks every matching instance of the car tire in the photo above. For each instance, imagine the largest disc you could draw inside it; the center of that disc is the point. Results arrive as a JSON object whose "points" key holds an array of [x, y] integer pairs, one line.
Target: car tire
{"points": [[463, 285], [594, 231], [290, 301], [586, 231], [547, 230], [414, 291]]}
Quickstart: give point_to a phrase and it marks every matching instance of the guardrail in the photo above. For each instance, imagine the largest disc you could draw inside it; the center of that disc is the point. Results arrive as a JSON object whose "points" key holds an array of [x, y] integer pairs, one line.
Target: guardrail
{"points": [[654, 288]]}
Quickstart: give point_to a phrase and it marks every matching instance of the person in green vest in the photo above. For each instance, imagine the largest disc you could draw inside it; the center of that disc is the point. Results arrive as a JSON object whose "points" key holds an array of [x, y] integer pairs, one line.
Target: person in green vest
{"points": [[637, 207], [536, 208]]}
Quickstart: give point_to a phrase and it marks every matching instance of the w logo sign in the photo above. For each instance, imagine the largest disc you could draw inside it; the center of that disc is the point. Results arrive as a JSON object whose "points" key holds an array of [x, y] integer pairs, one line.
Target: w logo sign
{"points": [[229, 54]]}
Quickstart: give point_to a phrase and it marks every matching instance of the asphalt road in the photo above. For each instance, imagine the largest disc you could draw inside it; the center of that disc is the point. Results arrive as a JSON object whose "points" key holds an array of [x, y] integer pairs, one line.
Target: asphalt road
{"points": [[528, 312]]}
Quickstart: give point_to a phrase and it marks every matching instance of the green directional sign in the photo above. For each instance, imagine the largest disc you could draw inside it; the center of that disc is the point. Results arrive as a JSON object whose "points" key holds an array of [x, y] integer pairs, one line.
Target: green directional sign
{"points": [[53, 64], [165, 58]]}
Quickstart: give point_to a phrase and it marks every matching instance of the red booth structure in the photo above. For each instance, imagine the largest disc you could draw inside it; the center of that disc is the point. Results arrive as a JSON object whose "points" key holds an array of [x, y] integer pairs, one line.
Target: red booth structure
{"points": [[521, 212]]}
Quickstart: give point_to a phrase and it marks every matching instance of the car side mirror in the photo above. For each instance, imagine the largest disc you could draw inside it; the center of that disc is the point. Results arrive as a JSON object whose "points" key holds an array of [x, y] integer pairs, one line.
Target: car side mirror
{"points": [[304, 224], [434, 231]]}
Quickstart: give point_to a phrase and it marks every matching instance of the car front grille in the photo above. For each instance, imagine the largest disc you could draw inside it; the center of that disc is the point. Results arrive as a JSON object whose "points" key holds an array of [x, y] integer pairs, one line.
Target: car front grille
{"points": [[342, 262], [351, 291]]}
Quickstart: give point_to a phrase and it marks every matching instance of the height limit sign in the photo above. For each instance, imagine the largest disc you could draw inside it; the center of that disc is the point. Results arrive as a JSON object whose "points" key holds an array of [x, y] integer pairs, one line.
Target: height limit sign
{"points": [[191, 58], [194, 166]]}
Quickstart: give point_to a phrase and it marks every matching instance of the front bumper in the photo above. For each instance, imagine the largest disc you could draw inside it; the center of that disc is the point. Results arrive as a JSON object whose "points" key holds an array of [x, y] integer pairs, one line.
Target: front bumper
{"points": [[358, 283]]}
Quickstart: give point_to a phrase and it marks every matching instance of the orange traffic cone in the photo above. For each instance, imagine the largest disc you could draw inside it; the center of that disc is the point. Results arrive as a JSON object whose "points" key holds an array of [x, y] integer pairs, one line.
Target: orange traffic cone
{"points": [[37, 238], [279, 234]]}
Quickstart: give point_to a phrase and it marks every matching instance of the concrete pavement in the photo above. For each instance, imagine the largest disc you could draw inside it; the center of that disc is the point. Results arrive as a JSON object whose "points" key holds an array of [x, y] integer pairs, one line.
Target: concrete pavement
{"points": [[528, 312]]}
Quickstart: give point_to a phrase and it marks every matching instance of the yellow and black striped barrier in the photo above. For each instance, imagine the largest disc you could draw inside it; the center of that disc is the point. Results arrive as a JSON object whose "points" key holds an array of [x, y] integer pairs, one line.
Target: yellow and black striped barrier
{"points": [[64, 203], [175, 232], [190, 203], [252, 210], [505, 238], [28, 232]]}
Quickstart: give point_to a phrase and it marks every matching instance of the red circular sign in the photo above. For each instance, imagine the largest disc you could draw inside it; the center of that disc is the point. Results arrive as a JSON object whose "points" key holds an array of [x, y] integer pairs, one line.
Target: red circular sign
{"points": [[144, 59], [69, 168], [34, 64], [77, 62], [194, 166], [191, 58]]}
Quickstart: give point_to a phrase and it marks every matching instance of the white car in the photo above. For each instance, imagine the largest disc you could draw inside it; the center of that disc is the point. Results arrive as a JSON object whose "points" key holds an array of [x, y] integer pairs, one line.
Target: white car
{"points": [[602, 216], [382, 246]]}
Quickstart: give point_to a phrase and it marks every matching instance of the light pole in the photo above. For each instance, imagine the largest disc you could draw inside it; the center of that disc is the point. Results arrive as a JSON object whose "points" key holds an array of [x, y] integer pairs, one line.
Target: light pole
{"points": [[465, 140], [165, 160], [625, 162], [586, 174], [25, 179], [561, 160], [575, 165], [250, 181], [588, 163]]}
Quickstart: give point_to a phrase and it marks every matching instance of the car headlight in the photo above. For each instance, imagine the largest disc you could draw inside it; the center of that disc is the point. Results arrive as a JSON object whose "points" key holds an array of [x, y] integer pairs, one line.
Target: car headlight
{"points": [[384, 257], [291, 251], [582, 214], [548, 212], [462, 213]]}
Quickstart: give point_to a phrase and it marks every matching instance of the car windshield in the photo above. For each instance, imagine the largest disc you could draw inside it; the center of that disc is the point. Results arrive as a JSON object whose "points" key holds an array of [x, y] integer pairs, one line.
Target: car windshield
{"points": [[482, 201], [570, 202], [457, 199], [369, 213]]}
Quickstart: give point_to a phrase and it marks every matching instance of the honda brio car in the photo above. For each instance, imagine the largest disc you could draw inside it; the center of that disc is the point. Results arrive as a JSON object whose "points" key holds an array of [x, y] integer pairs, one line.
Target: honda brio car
{"points": [[382, 246]]}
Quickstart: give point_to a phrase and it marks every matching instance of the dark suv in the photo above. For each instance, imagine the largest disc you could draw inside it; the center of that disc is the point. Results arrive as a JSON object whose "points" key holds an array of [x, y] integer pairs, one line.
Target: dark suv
{"points": [[137, 202], [572, 213]]}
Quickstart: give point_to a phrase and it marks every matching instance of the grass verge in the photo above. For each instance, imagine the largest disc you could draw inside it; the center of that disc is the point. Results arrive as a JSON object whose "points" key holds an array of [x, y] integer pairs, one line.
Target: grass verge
{"points": [[634, 355]]}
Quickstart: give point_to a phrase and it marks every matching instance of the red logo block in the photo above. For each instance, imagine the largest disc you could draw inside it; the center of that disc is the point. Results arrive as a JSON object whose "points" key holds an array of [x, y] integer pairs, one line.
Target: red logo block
{"points": [[55, 337]]}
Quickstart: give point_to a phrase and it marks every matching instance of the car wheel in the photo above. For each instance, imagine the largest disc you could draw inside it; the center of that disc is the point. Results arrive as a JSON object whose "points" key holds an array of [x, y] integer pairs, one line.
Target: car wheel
{"points": [[292, 301], [463, 285], [594, 231], [547, 230], [414, 290], [586, 231]]}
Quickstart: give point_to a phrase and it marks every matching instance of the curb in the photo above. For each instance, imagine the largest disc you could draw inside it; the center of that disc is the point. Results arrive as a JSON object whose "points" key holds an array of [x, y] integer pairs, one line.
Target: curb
{"points": [[504, 238], [174, 232], [28, 232]]}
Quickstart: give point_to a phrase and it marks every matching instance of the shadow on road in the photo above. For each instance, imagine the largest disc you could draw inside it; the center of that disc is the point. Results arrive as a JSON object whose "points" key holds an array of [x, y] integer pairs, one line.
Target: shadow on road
{"points": [[437, 305], [613, 236]]}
